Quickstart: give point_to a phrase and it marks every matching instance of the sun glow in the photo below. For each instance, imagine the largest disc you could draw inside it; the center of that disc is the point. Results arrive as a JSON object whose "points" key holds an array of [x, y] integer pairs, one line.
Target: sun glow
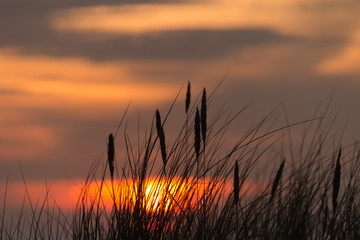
{"points": [[157, 195], [163, 194], [153, 195]]}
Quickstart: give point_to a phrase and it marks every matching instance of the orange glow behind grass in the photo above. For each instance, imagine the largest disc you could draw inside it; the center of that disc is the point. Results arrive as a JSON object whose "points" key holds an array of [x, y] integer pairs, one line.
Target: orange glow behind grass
{"points": [[164, 194], [158, 194], [173, 194]]}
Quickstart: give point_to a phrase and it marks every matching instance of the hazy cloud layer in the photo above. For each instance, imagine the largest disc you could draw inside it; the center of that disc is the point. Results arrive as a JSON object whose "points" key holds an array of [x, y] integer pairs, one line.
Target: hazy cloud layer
{"points": [[175, 45], [63, 91], [32, 34], [82, 141]]}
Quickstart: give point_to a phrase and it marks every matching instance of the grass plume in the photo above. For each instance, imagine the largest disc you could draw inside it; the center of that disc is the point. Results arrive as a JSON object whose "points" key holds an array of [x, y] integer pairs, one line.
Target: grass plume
{"points": [[161, 135], [111, 155], [233, 186], [277, 180], [188, 98], [236, 183]]}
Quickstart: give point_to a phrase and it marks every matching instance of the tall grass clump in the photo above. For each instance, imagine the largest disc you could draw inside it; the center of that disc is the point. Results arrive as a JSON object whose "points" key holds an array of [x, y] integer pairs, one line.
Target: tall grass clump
{"points": [[195, 185]]}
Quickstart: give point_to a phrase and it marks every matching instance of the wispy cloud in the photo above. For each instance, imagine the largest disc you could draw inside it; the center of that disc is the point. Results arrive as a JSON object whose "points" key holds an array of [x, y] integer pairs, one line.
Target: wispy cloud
{"points": [[72, 87], [346, 61], [301, 18], [74, 82]]}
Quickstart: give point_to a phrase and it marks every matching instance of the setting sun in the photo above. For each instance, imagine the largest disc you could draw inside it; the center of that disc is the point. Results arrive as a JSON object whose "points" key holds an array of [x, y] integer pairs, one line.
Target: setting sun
{"points": [[158, 194]]}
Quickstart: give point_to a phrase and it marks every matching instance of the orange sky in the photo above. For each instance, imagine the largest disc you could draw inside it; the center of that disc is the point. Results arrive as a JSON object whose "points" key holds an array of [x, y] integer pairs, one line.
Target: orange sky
{"points": [[68, 69]]}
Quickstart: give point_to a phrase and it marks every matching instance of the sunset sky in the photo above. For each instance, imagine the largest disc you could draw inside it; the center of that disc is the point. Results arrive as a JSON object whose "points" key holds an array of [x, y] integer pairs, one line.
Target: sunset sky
{"points": [[69, 68]]}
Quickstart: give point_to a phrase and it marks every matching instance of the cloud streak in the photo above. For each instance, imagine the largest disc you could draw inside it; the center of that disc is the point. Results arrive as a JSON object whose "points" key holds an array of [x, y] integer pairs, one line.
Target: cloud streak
{"points": [[346, 61]]}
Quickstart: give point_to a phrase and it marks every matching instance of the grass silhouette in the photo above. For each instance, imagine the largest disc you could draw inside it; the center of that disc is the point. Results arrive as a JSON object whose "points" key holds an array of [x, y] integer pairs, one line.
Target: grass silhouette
{"points": [[212, 194]]}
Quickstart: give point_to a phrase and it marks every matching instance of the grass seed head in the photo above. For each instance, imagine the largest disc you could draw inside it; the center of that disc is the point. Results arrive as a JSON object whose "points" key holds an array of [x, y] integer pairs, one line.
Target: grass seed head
{"points": [[161, 135], [236, 183], [277, 180], [188, 98], [111, 155]]}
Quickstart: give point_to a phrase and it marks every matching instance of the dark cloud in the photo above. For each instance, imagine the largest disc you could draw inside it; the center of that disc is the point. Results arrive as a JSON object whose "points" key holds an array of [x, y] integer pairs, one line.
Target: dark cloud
{"points": [[27, 23], [27, 26], [190, 44]]}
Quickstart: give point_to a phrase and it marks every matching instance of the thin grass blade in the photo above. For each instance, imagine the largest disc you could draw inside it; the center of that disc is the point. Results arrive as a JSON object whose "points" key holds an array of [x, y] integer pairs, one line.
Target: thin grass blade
{"points": [[203, 116], [336, 182], [188, 98], [197, 133]]}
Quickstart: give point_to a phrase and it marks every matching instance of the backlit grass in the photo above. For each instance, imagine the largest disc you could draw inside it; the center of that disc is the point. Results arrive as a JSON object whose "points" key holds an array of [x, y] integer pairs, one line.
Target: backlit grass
{"points": [[195, 186]]}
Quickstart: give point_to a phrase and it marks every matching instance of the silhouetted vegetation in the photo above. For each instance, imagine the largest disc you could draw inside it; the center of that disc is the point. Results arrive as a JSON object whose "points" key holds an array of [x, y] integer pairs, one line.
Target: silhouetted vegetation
{"points": [[192, 187]]}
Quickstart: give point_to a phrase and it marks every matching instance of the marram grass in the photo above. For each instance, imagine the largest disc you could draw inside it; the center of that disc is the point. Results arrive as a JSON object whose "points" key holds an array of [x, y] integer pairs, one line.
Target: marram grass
{"points": [[217, 194]]}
